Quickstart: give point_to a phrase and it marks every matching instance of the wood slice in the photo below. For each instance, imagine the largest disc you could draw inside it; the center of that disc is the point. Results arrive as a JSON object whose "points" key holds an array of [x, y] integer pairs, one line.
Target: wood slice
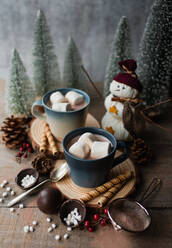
{"points": [[37, 127], [68, 188], [71, 190]]}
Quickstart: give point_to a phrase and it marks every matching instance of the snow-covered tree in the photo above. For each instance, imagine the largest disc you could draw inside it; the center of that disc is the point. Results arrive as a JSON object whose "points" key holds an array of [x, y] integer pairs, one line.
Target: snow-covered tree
{"points": [[120, 50], [155, 53], [19, 92], [46, 75], [73, 75]]}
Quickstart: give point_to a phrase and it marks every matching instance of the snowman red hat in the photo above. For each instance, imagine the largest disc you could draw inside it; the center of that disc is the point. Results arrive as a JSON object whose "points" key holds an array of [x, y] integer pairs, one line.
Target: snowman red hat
{"points": [[129, 77]]}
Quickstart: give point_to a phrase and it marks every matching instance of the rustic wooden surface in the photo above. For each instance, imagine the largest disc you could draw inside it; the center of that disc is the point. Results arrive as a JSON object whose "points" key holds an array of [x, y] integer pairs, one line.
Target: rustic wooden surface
{"points": [[159, 204]]}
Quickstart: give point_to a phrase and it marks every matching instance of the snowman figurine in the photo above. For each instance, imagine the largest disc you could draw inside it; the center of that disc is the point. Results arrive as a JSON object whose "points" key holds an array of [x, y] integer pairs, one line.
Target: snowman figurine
{"points": [[124, 87]]}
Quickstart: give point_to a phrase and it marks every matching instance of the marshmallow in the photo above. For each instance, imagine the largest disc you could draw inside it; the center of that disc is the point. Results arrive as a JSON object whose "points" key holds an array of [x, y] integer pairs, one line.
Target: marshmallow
{"points": [[49, 219], [57, 97], [87, 138], [79, 150], [61, 107], [74, 98], [57, 237], [100, 149]]}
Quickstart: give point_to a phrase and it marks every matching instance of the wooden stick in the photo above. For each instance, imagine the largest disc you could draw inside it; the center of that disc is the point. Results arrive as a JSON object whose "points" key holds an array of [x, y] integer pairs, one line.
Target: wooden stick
{"points": [[51, 140], [103, 188], [43, 146], [92, 83], [110, 193], [151, 121]]}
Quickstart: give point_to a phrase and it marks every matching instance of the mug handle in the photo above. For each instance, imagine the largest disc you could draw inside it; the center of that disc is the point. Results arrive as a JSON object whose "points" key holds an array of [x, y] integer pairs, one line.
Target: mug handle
{"points": [[122, 157], [36, 112]]}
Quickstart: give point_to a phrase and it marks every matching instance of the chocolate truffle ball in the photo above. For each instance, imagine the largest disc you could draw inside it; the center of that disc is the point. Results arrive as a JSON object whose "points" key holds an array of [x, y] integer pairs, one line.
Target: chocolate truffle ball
{"points": [[49, 200]]}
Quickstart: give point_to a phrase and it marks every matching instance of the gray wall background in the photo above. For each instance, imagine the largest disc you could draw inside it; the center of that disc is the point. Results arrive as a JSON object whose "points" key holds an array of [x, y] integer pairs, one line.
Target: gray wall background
{"points": [[91, 23]]}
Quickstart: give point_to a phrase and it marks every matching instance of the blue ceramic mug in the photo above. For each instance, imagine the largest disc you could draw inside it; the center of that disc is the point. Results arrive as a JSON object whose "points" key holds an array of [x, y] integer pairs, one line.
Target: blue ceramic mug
{"points": [[93, 173], [61, 122]]}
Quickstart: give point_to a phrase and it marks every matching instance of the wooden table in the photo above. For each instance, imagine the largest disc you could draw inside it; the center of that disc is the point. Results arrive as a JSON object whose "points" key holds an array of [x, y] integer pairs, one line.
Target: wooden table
{"points": [[159, 234]]}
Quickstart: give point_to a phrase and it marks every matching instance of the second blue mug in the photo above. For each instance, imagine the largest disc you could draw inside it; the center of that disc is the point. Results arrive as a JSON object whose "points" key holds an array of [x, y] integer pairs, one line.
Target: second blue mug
{"points": [[93, 173]]}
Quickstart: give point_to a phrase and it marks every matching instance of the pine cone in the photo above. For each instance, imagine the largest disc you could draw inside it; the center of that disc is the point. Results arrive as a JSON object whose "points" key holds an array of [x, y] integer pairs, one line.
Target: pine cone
{"points": [[140, 152], [14, 131], [42, 164]]}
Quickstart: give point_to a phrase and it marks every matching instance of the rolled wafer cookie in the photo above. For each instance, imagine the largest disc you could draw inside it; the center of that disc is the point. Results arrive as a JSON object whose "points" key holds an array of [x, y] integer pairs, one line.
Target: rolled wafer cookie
{"points": [[51, 140], [43, 146], [110, 193], [103, 188]]}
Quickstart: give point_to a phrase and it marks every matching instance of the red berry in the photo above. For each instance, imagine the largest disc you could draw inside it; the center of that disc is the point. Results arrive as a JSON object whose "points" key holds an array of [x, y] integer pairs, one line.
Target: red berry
{"points": [[90, 229], [21, 149], [27, 145], [103, 222], [19, 154], [24, 144], [96, 217], [106, 211], [29, 150], [87, 223], [25, 155]]}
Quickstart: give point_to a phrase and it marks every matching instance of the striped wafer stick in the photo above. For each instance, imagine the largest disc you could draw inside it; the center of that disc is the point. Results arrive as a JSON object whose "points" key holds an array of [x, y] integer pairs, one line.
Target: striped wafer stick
{"points": [[103, 188], [43, 146], [110, 193], [51, 140]]}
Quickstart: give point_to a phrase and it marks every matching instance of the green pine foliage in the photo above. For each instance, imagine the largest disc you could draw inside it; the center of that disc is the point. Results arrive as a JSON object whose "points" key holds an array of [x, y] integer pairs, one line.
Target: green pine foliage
{"points": [[46, 75], [73, 75], [155, 53], [120, 50], [19, 97]]}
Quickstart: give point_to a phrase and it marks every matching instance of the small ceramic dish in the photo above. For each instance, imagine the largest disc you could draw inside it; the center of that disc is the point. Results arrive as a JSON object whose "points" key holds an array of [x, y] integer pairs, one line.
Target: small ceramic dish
{"points": [[25, 172], [69, 206]]}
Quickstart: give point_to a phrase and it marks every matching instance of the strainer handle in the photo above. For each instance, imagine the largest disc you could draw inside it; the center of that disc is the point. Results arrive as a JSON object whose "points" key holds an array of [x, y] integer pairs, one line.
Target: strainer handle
{"points": [[155, 183]]}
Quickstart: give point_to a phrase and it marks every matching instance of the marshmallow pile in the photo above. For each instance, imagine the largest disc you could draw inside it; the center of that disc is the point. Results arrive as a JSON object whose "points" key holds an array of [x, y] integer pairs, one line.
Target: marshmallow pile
{"points": [[64, 103], [73, 218], [27, 181], [89, 145]]}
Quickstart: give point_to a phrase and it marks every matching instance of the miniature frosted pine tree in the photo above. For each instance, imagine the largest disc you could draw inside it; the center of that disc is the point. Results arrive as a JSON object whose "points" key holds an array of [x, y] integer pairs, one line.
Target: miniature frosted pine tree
{"points": [[120, 50], [155, 53], [46, 75], [73, 75], [19, 92]]}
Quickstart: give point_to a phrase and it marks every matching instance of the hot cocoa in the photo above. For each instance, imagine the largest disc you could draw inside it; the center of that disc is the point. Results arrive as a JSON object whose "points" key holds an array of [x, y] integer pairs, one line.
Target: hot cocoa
{"points": [[89, 146]]}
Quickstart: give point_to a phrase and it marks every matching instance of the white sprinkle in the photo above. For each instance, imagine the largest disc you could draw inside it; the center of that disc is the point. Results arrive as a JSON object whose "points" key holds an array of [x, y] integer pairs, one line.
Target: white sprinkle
{"points": [[27, 181], [26, 229], [66, 236], [35, 223], [68, 222], [12, 192], [57, 237], [69, 228], [1, 200], [75, 222], [5, 194], [2, 185], [50, 229], [49, 219], [21, 205], [8, 189], [5, 182], [12, 210], [54, 225], [31, 229]]}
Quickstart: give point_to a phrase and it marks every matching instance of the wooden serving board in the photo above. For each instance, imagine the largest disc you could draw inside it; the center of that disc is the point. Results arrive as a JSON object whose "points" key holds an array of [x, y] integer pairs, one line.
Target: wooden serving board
{"points": [[72, 191], [68, 188]]}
